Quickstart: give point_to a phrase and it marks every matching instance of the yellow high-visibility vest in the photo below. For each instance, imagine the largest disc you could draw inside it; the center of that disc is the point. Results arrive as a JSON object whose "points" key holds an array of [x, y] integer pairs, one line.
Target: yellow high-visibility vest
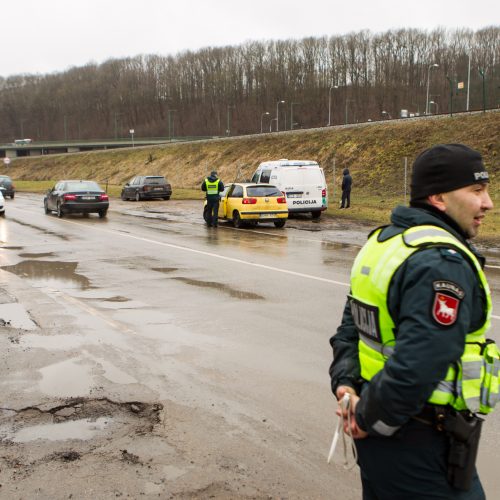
{"points": [[473, 382], [212, 187]]}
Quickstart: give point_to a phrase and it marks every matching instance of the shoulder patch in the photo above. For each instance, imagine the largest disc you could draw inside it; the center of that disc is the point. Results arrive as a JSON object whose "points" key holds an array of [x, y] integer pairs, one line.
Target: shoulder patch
{"points": [[450, 254], [445, 309], [449, 287]]}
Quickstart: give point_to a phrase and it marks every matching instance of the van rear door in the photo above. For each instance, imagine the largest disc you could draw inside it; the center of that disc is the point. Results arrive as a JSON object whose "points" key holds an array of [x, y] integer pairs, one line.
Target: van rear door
{"points": [[305, 188]]}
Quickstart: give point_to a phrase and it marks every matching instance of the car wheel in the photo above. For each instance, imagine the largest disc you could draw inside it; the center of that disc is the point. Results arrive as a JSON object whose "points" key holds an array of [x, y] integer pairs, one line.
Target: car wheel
{"points": [[102, 213], [59, 210], [237, 222], [123, 197], [280, 223], [166, 197], [12, 196], [316, 214], [46, 207], [137, 196], [2, 214]]}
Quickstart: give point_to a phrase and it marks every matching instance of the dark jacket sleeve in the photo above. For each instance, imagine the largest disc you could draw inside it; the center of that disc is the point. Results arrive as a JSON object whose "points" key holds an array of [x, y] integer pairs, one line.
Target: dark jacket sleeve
{"points": [[345, 369], [424, 348], [203, 186], [221, 186]]}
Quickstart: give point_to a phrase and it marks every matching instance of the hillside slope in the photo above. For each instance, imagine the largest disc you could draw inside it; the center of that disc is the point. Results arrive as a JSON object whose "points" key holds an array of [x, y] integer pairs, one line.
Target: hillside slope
{"points": [[374, 152]]}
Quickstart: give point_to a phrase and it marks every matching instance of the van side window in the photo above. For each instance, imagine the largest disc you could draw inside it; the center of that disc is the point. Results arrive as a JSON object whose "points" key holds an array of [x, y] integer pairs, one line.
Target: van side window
{"points": [[265, 177], [255, 177]]}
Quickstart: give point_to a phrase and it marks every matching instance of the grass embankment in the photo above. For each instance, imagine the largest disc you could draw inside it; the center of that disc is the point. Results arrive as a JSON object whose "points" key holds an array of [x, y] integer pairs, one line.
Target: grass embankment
{"points": [[375, 153]]}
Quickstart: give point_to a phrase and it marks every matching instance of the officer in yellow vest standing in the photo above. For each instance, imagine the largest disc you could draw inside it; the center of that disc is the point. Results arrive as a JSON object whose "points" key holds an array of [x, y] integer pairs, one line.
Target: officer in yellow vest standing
{"points": [[212, 185], [411, 350]]}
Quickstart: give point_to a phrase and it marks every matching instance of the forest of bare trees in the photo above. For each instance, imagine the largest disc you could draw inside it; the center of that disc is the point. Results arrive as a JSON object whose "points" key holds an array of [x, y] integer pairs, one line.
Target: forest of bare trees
{"points": [[239, 89]]}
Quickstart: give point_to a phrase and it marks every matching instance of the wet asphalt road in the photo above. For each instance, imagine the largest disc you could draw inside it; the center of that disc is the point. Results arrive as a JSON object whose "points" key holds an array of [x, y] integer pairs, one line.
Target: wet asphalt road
{"points": [[236, 318]]}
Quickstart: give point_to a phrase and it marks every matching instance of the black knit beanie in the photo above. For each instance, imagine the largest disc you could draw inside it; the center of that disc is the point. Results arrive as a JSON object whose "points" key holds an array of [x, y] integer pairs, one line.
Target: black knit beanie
{"points": [[444, 168]]}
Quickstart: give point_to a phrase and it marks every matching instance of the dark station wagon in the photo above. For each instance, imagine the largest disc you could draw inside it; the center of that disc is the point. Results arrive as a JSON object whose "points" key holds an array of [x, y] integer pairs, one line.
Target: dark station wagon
{"points": [[147, 187]]}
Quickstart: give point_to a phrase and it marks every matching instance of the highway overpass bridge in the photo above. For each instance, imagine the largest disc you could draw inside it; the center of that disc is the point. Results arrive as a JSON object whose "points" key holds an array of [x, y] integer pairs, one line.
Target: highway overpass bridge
{"points": [[29, 147]]}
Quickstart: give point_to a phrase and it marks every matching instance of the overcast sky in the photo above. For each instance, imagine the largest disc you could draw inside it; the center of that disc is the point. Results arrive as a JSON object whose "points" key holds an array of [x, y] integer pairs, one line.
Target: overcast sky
{"points": [[45, 36]]}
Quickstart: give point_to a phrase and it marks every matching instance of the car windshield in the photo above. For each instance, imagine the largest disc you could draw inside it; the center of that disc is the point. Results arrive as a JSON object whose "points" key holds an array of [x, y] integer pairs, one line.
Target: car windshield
{"points": [[82, 186], [155, 180], [263, 191], [5, 178]]}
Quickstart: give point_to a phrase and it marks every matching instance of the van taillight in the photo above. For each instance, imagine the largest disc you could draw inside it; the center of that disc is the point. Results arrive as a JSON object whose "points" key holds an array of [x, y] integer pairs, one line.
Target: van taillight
{"points": [[281, 199], [323, 193], [104, 197], [69, 197], [249, 201]]}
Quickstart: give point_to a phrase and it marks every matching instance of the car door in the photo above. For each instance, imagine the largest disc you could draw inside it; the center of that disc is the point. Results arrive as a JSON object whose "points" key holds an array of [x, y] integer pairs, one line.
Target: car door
{"points": [[223, 202], [234, 200], [127, 189], [52, 196]]}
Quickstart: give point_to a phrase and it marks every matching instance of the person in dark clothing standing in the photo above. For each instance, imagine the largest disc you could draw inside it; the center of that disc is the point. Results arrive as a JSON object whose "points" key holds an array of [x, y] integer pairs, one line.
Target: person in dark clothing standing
{"points": [[411, 353], [212, 185], [346, 189]]}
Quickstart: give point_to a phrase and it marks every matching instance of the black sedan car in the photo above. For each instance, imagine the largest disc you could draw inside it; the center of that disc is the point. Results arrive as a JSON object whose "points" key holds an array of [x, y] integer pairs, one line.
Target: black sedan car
{"points": [[8, 186], [147, 187], [81, 197]]}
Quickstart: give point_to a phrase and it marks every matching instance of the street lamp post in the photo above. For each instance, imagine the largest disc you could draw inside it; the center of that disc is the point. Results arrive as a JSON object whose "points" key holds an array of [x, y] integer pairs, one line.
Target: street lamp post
{"points": [[451, 94], [132, 131], [291, 113], [271, 124], [481, 72], [228, 129], [170, 123], [261, 118], [435, 104], [347, 101], [330, 103], [428, 78], [278, 102]]}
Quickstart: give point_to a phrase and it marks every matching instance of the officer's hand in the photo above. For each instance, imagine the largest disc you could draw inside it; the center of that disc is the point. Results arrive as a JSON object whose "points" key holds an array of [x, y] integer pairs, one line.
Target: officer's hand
{"points": [[356, 431], [342, 389]]}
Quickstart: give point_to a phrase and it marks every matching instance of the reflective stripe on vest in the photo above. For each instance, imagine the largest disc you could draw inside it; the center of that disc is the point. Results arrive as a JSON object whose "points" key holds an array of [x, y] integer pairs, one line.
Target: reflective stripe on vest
{"points": [[471, 383], [212, 187]]}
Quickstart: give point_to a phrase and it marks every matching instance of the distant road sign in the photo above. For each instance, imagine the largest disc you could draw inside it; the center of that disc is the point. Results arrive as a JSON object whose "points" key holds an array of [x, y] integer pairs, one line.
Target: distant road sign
{"points": [[6, 160]]}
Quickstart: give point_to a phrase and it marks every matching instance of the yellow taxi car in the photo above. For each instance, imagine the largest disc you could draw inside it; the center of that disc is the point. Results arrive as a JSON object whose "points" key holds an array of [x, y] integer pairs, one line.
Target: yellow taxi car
{"points": [[243, 202]]}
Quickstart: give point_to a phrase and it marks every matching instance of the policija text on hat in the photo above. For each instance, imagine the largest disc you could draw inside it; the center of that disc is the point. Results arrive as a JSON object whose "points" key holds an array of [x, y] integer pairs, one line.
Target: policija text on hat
{"points": [[411, 349]]}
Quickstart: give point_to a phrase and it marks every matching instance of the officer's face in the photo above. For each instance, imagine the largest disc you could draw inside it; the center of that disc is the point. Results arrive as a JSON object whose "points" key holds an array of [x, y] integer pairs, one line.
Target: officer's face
{"points": [[468, 206]]}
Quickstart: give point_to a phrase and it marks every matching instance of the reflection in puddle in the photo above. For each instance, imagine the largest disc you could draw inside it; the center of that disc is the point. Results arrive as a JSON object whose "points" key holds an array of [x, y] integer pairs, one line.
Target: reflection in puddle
{"points": [[48, 272], [66, 379], [239, 294], [76, 429]]}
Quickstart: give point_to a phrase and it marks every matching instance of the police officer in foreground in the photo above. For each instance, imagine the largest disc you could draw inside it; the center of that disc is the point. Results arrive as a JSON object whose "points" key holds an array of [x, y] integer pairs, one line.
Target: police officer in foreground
{"points": [[411, 349], [212, 185]]}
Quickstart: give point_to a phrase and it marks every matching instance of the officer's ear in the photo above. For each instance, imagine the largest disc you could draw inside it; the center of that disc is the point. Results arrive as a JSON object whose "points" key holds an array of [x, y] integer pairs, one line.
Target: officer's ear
{"points": [[438, 201]]}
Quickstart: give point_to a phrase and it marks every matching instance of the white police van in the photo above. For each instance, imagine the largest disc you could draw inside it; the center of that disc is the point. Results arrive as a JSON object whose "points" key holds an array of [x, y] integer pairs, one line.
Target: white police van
{"points": [[302, 181]]}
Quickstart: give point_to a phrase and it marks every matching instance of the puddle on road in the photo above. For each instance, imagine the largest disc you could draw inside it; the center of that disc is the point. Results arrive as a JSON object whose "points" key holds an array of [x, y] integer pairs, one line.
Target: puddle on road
{"points": [[35, 255], [49, 273], [117, 298], [15, 316], [57, 342], [76, 429], [165, 269], [11, 248], [66, 379], [233, 292]]}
